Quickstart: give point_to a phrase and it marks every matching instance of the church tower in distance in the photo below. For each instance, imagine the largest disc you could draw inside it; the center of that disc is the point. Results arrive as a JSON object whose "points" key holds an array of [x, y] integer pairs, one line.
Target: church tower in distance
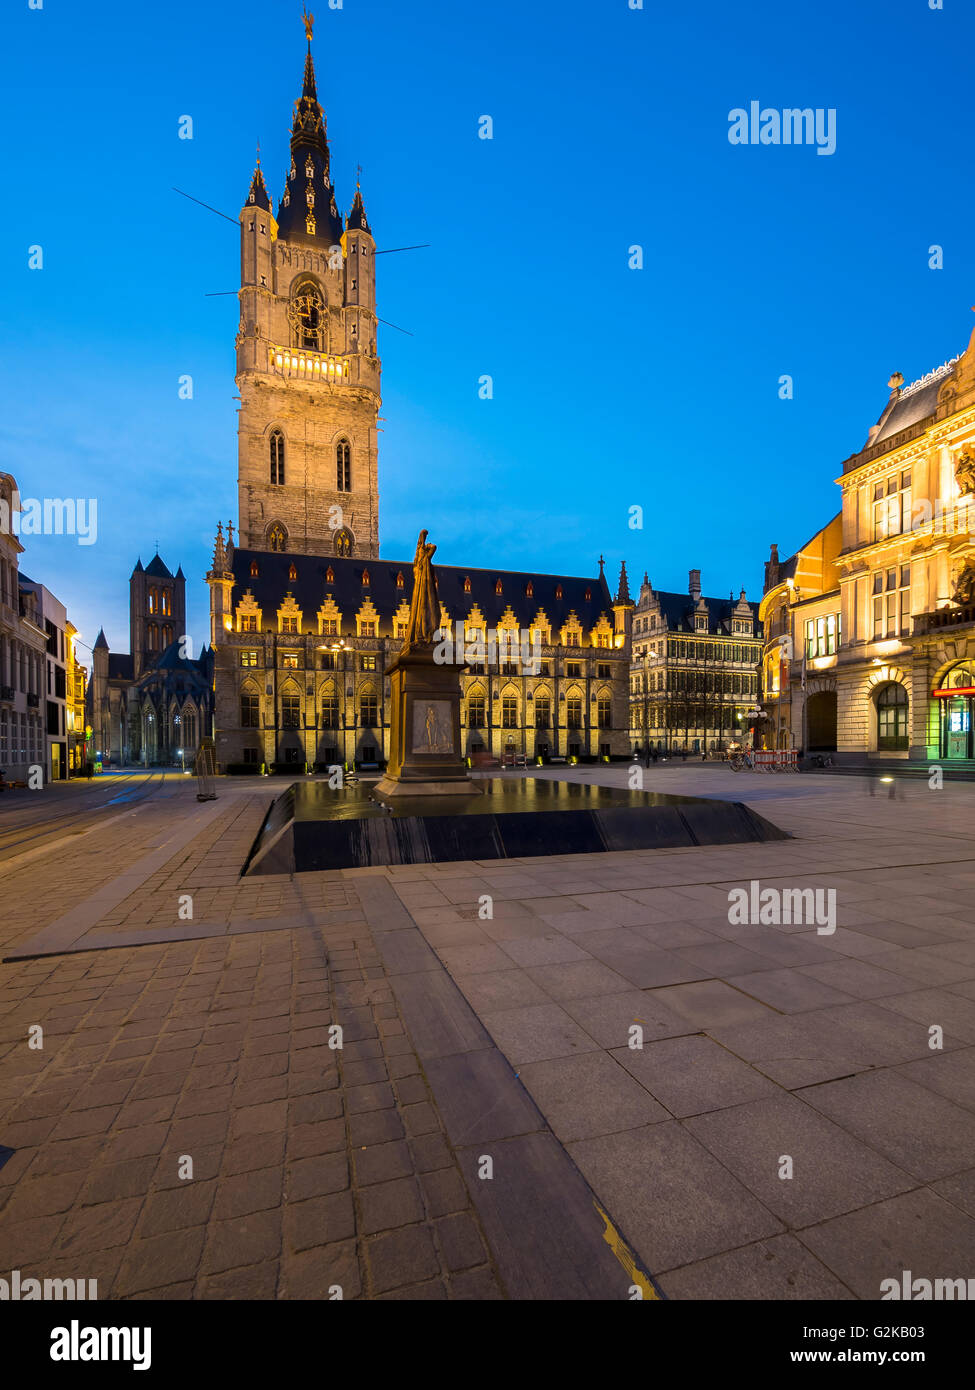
{"points": [[308, 369]]}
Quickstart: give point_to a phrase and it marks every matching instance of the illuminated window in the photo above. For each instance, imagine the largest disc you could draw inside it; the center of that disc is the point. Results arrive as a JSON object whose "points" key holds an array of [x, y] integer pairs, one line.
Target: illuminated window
{"points": [[892, 707], [289, 624], [248, 658], [277, 538]]}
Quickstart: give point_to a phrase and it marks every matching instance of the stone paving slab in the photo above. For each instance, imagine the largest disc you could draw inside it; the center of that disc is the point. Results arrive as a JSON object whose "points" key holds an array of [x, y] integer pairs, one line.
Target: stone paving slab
{"points": [[503, 1038]]}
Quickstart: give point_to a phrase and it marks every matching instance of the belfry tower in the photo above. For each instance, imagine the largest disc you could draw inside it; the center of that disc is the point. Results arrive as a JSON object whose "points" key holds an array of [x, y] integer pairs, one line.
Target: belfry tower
{"points": [[308, 369]]}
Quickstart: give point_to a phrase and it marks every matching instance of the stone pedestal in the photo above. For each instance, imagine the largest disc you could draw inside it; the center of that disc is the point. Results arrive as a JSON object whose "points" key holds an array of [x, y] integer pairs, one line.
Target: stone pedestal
{"points": [[425, 757]]}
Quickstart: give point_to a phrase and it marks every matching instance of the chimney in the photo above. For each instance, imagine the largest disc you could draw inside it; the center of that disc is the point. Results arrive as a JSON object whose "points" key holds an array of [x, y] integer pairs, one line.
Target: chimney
{"points": [[694, 584]]}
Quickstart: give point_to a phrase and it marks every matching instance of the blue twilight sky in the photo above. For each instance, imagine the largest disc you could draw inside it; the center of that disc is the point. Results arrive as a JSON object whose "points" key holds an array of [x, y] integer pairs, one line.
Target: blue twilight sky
{"points": [[612, 387]]}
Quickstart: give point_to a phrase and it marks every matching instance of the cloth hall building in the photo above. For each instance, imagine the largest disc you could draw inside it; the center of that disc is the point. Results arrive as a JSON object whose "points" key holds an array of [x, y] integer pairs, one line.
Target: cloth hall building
{"points": [[305, 615]]}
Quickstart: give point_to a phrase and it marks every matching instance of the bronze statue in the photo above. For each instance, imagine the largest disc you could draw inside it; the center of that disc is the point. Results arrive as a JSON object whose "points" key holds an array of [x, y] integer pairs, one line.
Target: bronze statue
{"points": [[309, 22], [424, 619]]}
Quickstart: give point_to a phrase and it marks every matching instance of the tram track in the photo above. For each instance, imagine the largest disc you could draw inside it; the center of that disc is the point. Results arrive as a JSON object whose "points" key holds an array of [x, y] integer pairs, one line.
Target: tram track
{"points": [[31, 835]]}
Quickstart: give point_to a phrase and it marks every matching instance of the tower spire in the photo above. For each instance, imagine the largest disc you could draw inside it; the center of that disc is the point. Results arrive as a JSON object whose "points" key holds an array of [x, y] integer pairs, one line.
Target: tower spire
{"points": [[307, 211], [623, 588], [258, 194]]}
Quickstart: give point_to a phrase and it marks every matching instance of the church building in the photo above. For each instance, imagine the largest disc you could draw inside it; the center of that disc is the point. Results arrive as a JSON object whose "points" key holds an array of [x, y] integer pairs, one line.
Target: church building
{"points": [[152, 704]]}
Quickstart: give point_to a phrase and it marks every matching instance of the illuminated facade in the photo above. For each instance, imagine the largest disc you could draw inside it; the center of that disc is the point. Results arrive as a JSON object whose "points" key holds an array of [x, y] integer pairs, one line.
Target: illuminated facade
{"points": [[694, 670], [905, 670], [305, 617], [802, 621]]}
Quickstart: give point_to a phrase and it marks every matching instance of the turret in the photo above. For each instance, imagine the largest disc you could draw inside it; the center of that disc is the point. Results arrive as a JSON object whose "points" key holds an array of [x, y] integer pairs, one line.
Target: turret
{"points": [[360, 280], [221, 581], [623, 607]]}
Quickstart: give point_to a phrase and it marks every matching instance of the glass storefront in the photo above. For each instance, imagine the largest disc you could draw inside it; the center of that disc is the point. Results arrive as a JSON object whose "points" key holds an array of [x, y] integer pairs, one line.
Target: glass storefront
{"points": [[955, 698]]}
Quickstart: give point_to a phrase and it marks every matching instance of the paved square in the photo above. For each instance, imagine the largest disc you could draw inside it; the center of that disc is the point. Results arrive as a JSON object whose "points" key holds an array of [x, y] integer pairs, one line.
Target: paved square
{"points": [[758, 1111]]}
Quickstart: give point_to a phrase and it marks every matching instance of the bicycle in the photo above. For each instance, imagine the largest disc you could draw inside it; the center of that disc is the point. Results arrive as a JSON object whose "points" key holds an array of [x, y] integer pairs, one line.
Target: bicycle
{"points": [[737, 761]]}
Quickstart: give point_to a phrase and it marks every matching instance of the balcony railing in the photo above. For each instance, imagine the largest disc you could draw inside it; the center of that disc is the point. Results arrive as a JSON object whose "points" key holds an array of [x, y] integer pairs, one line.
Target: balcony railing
{"points": [[962, 616]]}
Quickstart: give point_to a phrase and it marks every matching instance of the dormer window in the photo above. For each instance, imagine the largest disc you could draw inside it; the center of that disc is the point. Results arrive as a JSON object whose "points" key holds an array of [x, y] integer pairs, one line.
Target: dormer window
{"points": [[399, 580], [588, 595], [309, 168], [330, 575], [498, 587], [558, 591], [467, 583], [254, 569], [365, 579], [530, 589], [292, 572]]}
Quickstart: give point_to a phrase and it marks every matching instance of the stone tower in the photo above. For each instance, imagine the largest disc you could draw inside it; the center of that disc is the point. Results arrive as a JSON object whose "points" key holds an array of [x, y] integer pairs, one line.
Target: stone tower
{"points": [[308, 370], [157, 612]]}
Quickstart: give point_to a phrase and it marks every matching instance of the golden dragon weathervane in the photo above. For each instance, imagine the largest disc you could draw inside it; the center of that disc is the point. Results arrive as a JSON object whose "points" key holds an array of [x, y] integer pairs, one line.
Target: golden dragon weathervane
{"points": [[309, 22]]}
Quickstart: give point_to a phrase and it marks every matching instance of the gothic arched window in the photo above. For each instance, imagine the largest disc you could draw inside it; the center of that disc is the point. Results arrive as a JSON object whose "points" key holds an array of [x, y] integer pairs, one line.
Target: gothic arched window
{"points": [[343, 465], [307, 313], [343, 543], [277, 458], [277, 538]]}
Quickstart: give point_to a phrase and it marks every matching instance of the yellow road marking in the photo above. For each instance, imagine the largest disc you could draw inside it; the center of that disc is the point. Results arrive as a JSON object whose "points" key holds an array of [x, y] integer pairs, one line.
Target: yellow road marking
{"points": [[625, 1256]]}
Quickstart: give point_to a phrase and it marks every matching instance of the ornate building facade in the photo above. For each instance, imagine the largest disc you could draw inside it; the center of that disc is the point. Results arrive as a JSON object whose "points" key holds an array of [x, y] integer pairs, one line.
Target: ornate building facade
{"points": [[303, 643], [305, 617], [905, 672], [694, 672], [802, 622], [694, 669], [23, 652], [151, 705]]}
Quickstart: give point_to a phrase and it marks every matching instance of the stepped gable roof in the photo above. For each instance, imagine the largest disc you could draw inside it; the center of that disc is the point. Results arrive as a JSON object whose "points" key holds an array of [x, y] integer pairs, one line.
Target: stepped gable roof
{"points": [[272, 583], [678, 611]]}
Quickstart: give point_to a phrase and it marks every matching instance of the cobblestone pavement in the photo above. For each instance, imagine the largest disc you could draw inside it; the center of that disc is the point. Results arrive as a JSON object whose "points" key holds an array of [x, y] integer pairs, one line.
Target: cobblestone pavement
{"points": [[169, 1038], [313, 1168]]}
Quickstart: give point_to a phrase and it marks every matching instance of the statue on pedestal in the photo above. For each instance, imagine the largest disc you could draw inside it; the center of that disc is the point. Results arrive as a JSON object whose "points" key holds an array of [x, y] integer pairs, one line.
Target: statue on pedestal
{"points": [[425, 756], [424, 619]]}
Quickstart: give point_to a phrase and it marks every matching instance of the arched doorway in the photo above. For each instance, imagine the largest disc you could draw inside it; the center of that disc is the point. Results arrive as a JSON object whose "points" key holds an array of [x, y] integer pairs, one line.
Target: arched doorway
{"points": [[821, 722], [955, 697]]}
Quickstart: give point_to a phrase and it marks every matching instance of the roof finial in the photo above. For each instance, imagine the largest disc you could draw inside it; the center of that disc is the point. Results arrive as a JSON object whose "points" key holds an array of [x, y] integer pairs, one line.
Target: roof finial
{"points": [[309, 22], [601, 563]]}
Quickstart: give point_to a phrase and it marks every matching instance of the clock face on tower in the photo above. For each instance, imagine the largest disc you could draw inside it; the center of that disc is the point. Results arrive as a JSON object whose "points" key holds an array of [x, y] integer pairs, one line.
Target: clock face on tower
{"points": [[306, 314]]}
